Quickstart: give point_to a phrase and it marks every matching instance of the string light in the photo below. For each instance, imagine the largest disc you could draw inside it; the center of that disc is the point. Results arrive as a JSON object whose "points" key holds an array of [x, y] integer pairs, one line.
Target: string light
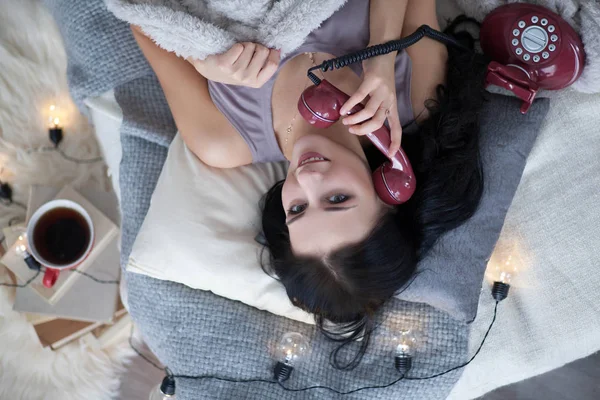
{"points": [[405, 342], [290, 351], [505, 263], [22, 251], [54, 129]]}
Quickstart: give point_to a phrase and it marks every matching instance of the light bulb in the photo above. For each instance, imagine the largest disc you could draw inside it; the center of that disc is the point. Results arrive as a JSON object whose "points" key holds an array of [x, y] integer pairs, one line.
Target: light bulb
{"points": [[53, 119], [290, 351], [21, 247], [505, 263], [165, 390], [22, 251], [54, 129], [405, 343]]}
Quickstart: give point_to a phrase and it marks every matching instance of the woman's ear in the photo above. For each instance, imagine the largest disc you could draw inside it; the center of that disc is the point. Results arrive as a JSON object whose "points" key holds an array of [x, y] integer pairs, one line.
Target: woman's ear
{"points": [[261, 239]]}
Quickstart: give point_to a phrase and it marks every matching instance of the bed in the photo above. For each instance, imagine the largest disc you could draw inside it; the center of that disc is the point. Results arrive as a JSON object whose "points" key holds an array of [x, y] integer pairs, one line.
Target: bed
{"points": [[555, 208]]}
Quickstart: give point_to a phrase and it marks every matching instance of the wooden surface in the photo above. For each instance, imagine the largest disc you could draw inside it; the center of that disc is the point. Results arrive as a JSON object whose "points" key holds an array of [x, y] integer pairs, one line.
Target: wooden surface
{"points": [[576, 381]]}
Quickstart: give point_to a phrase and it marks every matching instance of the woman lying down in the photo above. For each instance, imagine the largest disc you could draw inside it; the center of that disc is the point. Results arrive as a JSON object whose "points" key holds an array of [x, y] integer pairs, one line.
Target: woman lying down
{"points": [[338, 249]]}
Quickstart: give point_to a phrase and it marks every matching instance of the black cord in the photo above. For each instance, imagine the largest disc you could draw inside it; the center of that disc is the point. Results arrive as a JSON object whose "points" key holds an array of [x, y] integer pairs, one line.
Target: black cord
{"points": [[64, 155], [340, 392], [101, 281], [139, 353], [16, 285], [273, 381], [39, 271], [471, 359], [78, 160], [13, 220], [385, 48], [9, 203]]}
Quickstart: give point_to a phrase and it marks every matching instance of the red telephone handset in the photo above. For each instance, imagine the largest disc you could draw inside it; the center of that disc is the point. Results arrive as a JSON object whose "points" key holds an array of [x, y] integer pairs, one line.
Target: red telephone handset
{"points": [[533, 48], [394, 180]]}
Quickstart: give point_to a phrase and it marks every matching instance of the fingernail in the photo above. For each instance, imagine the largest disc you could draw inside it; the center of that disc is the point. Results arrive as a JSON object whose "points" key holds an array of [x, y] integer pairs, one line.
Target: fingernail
{"points": [[344, 122], [351, 130]]}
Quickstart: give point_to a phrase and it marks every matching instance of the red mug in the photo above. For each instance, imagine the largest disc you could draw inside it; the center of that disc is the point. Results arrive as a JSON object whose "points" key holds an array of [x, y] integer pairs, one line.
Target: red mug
{"points": [[60, 236]]}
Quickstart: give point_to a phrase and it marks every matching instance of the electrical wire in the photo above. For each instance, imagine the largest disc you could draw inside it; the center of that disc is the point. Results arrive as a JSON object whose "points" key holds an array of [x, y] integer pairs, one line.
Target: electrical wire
{"points": [[101, 281], [40, 270], [78, 160], [384, 48], [467, 362], [281, 384], [340, 392], [67, 157], [9, 203], [16, 285]]}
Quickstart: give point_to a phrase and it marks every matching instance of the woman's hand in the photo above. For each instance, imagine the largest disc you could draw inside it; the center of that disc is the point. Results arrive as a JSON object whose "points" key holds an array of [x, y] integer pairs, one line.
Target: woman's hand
{"points": [[379, 84], [245, 64]]}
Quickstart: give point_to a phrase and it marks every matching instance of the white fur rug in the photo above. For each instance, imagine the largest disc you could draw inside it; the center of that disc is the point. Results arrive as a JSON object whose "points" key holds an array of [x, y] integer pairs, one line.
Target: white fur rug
{"points": [[33, 76]]}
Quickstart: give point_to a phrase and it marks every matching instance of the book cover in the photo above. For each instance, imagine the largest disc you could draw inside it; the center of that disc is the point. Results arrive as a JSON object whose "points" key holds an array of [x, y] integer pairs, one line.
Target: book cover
{"points": [[86, 300], [36, 319], [59, 332], [104, 231]]}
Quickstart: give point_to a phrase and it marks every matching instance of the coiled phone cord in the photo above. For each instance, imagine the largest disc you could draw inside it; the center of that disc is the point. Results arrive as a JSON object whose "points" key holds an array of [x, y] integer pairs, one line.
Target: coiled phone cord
{"points": [[384, 48]]}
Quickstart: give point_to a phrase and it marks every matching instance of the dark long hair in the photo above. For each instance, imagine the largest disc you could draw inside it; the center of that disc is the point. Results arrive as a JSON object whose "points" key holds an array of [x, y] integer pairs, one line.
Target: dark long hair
{"points": [[350, 285]]}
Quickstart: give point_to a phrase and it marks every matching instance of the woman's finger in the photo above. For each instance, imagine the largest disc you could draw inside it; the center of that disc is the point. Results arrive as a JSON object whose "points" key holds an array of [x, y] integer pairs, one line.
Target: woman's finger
{"points": [[244, 59], [269, 68], [228, 58], [363, 91], [395, 130], [368, 112], [261, 53], [370, 126]]}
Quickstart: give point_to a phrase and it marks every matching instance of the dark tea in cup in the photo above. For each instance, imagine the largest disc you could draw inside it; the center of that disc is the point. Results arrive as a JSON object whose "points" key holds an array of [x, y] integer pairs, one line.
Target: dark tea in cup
{"points": [[60, 235]]}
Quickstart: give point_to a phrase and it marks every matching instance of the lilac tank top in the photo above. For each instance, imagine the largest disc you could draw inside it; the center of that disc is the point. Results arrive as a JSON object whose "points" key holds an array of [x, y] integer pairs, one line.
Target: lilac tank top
{"points": [[249, 109]]}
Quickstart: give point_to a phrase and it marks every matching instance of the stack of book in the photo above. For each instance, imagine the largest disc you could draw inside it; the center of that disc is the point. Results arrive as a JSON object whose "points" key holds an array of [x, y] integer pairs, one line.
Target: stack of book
{"points": [[76, 307]]}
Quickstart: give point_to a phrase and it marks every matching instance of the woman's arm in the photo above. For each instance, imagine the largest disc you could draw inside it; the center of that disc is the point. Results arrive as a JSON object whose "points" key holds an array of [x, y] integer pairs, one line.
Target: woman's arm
{"points": [[389, 20], [386, 19], [429, 57], [204, 129]]}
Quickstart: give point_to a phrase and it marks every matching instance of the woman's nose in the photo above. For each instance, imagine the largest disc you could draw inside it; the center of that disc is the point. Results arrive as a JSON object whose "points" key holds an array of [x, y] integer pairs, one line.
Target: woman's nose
{"points": [[309, 178]]}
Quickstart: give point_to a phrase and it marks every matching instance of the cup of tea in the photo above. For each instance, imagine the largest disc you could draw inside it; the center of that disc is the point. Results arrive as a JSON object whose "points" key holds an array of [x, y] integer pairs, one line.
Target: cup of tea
{"points": [[60, 236]]}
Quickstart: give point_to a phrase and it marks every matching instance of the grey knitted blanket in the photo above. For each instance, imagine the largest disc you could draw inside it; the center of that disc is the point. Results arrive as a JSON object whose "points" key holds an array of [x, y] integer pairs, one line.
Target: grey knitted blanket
{"points": [[195, 332]]}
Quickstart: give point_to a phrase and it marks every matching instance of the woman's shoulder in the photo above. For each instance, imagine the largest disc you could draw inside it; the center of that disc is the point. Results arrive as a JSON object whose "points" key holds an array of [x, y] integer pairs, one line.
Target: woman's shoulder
{"points": [[218, 145]]}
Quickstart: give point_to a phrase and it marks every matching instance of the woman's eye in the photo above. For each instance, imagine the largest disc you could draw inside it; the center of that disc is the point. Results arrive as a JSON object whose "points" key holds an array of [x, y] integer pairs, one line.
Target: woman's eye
{"points": [[338, 198], [296, 209]]}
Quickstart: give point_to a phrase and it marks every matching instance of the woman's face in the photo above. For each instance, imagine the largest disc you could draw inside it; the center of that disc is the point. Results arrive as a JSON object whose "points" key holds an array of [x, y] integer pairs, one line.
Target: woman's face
{"points": [[328, 196]]}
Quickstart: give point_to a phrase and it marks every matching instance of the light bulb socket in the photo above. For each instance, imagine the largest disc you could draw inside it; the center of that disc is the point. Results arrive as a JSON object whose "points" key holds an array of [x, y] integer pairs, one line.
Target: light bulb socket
{"points": [[403, 363], [282, 371], [6, 192], [167, 387], [56, 135], [31, 262], [500, 291]]}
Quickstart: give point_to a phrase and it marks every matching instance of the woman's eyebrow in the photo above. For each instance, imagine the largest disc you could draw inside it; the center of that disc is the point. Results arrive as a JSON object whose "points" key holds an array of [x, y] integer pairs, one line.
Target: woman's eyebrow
{"points": [[328, 209]]}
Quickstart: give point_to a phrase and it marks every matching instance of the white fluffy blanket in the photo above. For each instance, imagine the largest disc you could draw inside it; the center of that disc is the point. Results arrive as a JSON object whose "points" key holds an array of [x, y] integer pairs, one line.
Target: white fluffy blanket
{"points": [[32, 75], [198, 28]]}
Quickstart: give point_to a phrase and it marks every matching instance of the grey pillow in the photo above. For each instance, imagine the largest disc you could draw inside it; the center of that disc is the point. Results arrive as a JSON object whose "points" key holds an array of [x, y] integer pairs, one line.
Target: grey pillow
{"points": [[451, 275]]}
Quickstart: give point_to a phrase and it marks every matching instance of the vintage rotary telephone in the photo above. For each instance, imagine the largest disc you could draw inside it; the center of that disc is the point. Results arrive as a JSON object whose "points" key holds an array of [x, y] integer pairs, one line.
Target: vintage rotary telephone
{"points": [[531, 47], [539, 50]]}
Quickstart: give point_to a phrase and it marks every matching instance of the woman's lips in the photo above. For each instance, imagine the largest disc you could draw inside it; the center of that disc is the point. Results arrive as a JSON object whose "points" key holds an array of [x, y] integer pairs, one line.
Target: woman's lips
{"points": [[309, 158]]}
